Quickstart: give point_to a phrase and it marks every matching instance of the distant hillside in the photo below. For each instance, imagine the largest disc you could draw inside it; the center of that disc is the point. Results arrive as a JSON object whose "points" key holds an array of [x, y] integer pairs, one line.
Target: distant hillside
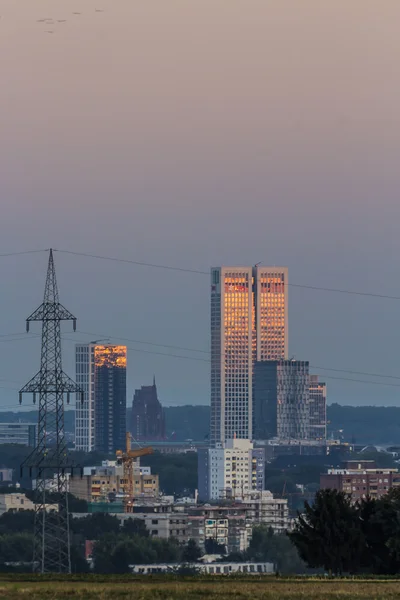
{"points": [[185, 422], [366, 424], [361, 424]]}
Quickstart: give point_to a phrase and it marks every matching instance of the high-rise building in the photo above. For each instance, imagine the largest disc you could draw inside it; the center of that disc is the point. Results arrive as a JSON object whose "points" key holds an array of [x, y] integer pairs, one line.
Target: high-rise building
{"points": [[230, 470], [281, 400], [100, 421], [317, 409], [249, 322], [148, 418]]}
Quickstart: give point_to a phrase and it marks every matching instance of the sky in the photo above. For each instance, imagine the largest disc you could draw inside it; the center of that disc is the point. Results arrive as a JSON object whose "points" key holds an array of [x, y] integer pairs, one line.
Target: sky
{"points": [[199, 133]]}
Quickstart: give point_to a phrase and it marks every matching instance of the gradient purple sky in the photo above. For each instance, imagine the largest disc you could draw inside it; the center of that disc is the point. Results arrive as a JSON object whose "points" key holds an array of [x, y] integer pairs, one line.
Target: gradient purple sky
{"points": [[198, 133]]}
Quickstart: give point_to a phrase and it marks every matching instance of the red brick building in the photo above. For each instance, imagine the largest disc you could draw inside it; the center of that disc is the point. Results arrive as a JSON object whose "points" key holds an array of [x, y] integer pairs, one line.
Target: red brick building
{"points": [[361, 479]]}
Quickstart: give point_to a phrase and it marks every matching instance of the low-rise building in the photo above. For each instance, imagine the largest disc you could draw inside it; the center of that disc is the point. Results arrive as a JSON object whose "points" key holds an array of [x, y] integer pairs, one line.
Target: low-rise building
{"points": [[262, 508], [107, 483], [361, 479], [16, 502], [217, 568], [226, 525]]}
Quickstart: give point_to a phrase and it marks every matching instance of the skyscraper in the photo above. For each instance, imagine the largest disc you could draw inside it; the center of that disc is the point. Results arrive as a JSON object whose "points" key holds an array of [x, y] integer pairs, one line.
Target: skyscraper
{"points": [[281, 400], [249, 322], [317, 409], [148, 418], [100, 422]]}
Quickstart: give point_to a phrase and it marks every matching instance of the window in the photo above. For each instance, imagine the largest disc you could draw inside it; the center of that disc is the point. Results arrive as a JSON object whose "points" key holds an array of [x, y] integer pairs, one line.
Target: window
{"points": [[154, 522]]}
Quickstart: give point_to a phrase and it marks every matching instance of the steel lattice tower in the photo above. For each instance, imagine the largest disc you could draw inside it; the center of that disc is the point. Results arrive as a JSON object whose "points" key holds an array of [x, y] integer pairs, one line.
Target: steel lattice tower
{"points": [[50, 457]]}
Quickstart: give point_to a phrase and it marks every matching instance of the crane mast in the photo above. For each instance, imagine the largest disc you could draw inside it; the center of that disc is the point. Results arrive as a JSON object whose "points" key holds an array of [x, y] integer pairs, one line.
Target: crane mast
{"points": [[127, 458]]}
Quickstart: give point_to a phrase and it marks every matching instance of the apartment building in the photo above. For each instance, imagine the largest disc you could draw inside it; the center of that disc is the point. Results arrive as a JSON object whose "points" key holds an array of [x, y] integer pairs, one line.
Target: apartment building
{"points": [[361, 479]]}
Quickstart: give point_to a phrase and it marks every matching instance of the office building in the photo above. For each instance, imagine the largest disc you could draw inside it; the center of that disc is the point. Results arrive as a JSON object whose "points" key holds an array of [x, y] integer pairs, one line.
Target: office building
{"points": [[281, 400], [317, 409], [230, 470], [361, 479], [148, 418], [18, 433], [249, 322], [100, 422]]}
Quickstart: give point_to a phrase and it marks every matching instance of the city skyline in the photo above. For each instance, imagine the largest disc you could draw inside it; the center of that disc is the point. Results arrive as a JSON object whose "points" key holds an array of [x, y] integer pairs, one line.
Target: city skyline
{"points": [[193, 135]]}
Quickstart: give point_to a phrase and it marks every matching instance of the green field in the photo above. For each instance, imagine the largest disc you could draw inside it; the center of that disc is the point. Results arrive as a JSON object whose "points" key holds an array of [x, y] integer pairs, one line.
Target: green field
{"points": [[197, 589]]}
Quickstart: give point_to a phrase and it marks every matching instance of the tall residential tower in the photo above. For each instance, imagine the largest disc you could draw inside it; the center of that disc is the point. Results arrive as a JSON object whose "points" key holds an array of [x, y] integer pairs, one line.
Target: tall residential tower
{"points": [[249, 322], [100, 422]]}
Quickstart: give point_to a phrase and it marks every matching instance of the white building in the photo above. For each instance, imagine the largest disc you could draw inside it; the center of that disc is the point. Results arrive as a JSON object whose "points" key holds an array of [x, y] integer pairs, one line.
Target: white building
{"points": [[249, 322], [263, 509], [216, 568], [230, 470]]}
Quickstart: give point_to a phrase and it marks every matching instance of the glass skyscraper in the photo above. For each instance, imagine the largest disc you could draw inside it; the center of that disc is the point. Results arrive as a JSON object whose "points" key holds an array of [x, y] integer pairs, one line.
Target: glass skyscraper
{"points": [[281, 400], [317, 409], [249, 322], [100, 422]]}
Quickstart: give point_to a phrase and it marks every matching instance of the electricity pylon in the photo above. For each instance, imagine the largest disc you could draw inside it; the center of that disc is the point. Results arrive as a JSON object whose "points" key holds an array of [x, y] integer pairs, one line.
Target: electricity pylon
{"points": [[50, 457]]}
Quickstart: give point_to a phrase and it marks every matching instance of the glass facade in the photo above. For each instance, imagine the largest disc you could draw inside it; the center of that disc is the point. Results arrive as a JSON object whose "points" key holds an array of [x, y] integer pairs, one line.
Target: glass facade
{"points": [[248, 323], [281, 400], [317, 409], [293, 413], [101, 419]]}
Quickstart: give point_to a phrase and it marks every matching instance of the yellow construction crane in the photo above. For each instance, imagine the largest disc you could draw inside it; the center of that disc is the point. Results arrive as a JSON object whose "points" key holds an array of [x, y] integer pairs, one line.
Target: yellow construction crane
{"points": [[127, 459]]}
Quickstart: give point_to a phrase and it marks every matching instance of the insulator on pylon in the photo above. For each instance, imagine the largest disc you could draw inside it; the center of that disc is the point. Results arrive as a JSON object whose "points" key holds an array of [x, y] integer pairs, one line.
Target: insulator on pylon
{"points": [[34, 397], [68, 397], [20, 397], [74, 324], [82, 397], [27, 327]]}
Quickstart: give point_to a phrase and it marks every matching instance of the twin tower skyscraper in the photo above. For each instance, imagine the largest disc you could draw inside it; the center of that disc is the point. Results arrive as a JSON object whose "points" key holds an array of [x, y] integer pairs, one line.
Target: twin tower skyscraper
{"points": [[249, 323]]}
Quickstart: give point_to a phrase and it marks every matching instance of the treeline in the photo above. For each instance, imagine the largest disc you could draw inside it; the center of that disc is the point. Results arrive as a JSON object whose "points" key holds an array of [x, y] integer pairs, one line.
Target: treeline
{"points": [[361, 424], [117, 546], [177, 472], [344, 537]]}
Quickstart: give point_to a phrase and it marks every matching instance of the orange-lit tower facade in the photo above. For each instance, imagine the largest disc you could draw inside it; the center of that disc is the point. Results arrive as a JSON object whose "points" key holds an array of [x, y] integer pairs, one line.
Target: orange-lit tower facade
{"points": [[249, 322], [100, 422]]}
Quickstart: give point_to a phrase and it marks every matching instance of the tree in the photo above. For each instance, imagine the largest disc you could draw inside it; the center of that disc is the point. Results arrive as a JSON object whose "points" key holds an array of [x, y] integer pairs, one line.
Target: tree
{"points": [[265, 546], [16, 547], [95, 525], [212, 547], [191, 552], [380, 524], [328, 534], [17, 522], [135, 527]]}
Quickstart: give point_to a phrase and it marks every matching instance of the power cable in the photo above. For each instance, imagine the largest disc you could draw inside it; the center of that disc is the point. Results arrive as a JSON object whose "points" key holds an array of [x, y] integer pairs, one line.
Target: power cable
{"points": [[351, 372], [208, 361], [23, 252], [198, 272]]}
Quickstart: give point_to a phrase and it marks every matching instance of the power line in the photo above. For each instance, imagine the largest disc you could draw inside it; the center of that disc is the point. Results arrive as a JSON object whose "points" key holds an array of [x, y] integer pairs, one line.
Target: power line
{"points": [[356, 372], [351, 372], [133, 262], [208, 361], [103, 336], [23, 252], [198, 272]]}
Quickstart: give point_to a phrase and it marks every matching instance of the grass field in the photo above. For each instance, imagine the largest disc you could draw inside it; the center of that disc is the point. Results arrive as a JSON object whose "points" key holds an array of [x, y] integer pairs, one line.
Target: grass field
{"points": [[267, 588]]}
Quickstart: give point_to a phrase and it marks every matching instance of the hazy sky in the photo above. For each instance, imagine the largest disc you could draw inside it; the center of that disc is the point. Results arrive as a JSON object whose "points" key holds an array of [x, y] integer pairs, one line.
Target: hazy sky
{"points": [[196, 133]]}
